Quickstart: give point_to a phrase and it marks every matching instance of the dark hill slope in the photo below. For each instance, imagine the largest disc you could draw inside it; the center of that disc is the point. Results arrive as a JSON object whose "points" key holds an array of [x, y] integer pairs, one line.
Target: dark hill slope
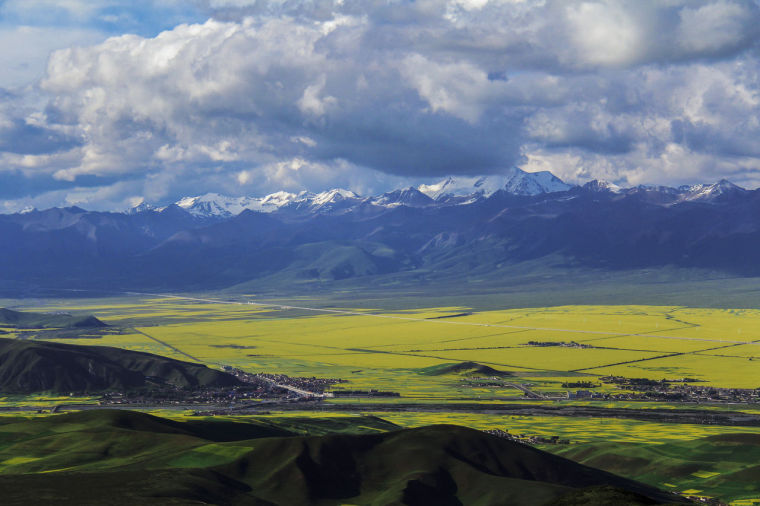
{"points": [[33, 366], [464, 369], [107, 453], [444, 465], [27, 320]]}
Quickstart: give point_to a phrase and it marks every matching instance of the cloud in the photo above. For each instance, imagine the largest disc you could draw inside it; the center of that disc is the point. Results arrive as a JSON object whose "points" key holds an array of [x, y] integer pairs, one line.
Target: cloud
{"points": [[296, 94], [31, 48], [19, 137]]}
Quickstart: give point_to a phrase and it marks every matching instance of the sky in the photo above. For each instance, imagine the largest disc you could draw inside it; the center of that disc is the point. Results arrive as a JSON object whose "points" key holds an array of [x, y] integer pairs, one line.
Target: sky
{"points": [[106, 104]]}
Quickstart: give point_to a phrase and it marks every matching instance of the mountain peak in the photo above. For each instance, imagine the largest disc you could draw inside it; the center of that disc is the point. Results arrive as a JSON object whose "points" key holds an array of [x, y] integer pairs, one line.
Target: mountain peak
{"points": [[334, 195], [600, 185], [409, 197], [281, 198], [514, 181], [214, 205], [141, 208], [710, 191]]}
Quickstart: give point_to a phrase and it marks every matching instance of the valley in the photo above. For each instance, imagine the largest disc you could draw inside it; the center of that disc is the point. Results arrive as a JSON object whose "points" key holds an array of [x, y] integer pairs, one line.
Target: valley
{"points": [[380, 253], [587, 375]]}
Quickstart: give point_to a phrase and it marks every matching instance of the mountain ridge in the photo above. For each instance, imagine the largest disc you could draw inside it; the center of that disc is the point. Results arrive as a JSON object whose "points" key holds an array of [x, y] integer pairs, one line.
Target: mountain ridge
{"points": [[342, 235], [144, 459], [40, 366], [449, 191]]}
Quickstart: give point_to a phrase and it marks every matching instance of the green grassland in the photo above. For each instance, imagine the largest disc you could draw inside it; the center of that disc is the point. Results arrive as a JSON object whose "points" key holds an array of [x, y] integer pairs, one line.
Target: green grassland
{"points": [[123, 457], [377, 348], [389, 348], [724, 463]]}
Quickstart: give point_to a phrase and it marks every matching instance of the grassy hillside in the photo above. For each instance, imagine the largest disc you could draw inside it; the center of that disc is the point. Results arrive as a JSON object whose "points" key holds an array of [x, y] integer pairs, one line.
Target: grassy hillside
{"points": [[464, 369], [27, 367], [121, 457], [727, 465], [27, 320]]}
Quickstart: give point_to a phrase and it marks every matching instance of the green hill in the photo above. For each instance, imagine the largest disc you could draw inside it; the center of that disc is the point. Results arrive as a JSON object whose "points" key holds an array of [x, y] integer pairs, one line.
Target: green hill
{"points": [[727, 465], [463, 369], [27, 320], [37, 366], [121, 457]]}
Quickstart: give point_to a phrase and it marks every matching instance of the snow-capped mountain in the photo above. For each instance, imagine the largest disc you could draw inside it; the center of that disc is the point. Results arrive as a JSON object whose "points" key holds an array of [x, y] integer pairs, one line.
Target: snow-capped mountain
{"points": [[600, 185], [411, 197], [666, 195], [709, 191], [143, 207], [515, 181], [332, 198], [337, 234], [215, 205], [455, 190]]}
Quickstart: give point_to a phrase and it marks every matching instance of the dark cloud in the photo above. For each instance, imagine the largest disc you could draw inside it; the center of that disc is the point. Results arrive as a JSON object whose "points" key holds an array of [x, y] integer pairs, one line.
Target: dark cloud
{"points": [[19, 137], [309, 94], [15, 184]]}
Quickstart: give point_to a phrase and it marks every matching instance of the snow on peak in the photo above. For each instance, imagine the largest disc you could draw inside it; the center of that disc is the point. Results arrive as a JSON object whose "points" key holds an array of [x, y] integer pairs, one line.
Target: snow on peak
{"points": [[535, 183], [600, 185], [409, 197], [281, 198], [332, 196], [141, 208], [709, 191], [215, 205], [515, 181]]}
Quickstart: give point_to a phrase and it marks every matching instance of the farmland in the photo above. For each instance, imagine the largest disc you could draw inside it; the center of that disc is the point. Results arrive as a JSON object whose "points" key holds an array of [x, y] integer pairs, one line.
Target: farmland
{"points": [[459, 356], [388, 349]]}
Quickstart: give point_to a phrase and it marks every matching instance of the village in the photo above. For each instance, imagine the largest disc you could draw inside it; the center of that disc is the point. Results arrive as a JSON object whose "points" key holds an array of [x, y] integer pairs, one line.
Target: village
{"points": [[525, 439], [254, 387], [630, 389]]}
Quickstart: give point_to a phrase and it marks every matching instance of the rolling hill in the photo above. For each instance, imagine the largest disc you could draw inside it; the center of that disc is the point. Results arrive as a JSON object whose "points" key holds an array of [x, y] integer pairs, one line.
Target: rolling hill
{"points": [[463, 369], [119, 457], [35, 366], [728, 465], [27, 320]]}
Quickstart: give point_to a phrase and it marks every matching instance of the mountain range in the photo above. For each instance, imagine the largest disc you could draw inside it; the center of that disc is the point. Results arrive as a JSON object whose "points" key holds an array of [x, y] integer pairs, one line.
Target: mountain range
{"points": [[452, 190], [455, 229]]}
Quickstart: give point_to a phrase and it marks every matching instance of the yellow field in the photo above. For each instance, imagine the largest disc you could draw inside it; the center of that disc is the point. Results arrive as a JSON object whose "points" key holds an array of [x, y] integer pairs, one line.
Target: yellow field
{"points": [[390, 350], [385, 350]]}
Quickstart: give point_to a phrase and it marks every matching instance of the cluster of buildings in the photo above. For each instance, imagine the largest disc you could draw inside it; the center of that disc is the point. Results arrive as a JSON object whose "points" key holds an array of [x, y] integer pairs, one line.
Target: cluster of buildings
{"points": [[571, 344], [522, 438], [258, 386], [680, 390], [364, 393], [312, 385], [175, 397]]}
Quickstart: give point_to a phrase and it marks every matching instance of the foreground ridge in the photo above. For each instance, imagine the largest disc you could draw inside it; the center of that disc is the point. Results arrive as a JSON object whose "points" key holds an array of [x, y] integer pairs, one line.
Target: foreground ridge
{"points": [[268, 463]]}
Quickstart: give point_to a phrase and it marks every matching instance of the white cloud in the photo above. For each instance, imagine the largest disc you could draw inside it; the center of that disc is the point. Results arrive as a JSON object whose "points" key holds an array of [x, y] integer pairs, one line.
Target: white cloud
{"points": [[297, 94], [606, 33], [713, 27], [32, 46], [458, 88], [312, 102]]}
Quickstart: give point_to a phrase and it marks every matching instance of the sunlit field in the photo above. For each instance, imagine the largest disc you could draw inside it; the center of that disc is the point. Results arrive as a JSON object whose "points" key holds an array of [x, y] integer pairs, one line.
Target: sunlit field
{"points": [[404, 351], [388, 350]]}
